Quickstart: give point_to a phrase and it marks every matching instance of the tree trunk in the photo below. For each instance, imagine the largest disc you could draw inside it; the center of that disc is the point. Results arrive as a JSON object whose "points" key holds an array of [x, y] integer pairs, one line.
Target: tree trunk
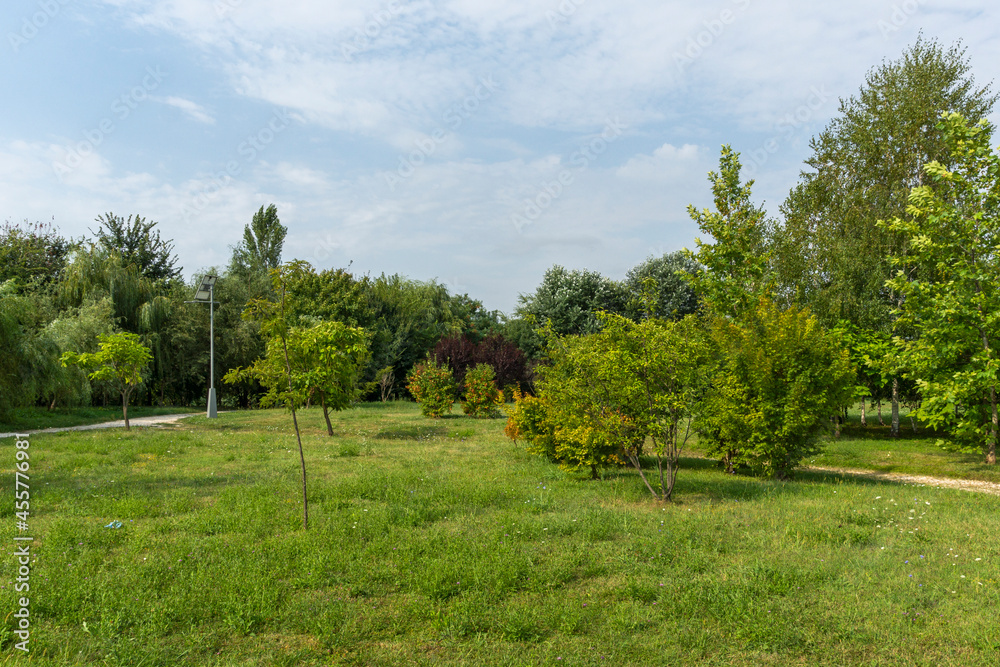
{"points": [[864, 420], [326, 414], [836, 426], [881, 422], [991, 447], [125, 410], [895, 408]]}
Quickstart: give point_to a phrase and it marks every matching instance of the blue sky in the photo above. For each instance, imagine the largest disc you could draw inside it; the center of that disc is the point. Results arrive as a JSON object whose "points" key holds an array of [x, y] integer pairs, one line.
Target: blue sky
{"points": [[477, 142]]}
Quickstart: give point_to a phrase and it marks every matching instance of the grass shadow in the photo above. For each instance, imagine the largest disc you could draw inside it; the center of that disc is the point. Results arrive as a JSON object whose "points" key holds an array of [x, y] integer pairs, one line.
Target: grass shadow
{"points": [[418, 432]]}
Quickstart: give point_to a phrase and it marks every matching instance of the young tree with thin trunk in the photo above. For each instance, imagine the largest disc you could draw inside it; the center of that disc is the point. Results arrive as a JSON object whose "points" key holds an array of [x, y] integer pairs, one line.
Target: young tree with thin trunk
{"points": [[952, 300], [300, 361], [120, 361]]}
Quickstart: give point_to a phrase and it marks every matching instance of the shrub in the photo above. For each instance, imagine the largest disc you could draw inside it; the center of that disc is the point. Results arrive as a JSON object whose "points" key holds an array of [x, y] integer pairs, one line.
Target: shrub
{"points": [[482, 398], [433, 387], [529, 420], [460, 354], [779, 378]]}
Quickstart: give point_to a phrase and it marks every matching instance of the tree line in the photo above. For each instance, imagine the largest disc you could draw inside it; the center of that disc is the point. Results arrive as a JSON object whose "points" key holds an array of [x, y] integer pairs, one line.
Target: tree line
{"points": [[898, 190]]}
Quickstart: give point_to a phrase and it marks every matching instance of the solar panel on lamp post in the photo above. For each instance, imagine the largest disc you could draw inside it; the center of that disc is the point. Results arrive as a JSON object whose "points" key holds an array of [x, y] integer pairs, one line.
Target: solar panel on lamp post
{"points": [[206, 294]]}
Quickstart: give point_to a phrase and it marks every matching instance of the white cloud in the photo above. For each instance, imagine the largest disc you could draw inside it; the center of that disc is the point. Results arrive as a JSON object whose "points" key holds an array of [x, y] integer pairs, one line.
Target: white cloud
{"points": [[666, 162], [191, 109]]}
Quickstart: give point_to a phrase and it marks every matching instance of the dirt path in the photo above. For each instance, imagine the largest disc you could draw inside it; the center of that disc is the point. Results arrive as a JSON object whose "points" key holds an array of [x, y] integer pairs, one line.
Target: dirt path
{"points": [[944, 482], [157, 420]]}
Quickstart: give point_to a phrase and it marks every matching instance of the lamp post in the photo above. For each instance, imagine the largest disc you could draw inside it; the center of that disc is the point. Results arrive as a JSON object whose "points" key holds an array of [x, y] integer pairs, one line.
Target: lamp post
{"points": [[206, 294]]}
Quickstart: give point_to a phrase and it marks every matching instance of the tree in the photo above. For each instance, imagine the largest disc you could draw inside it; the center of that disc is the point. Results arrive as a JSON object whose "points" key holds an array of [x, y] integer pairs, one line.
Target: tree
{"points": [[274, 371], [570, 300], [120, 360], [605, 394], [778, 378], [482, 398], [136, 242], [673, 295], [263, 239], [831, 255], [432, 385], [736, 270], [952, 298], [33, 253]]}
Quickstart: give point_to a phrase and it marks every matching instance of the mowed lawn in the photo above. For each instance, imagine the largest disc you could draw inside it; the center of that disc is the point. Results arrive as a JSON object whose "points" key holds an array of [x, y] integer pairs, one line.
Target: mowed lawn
{"points": [[442, 542]]}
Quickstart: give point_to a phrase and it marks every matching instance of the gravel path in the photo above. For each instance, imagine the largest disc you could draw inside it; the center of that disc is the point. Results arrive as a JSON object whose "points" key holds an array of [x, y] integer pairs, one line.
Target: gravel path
{"points": [[137, 421], [944, 482]]}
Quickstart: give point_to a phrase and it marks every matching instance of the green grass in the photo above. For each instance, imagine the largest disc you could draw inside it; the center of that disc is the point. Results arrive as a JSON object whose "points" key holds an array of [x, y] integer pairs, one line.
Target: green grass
{"points": [[441, 542], [30, 419]]}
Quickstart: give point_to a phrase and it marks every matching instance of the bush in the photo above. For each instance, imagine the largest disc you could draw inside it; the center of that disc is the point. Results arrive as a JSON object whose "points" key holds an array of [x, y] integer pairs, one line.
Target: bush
{"points": [[779, 379], [529, 420], [461, 354], [433, 387], [482, 398]]}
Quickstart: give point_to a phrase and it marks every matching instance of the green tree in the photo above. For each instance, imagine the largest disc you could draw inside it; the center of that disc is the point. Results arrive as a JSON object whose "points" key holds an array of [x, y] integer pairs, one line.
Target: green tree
{"points": [[673, 295], [482, 398], [570, 300], [33, 253], [952, 298], [136, 242], [433, 387], [737, 266], [604, 395], [831, 255], [778, 378], [274, 371], [263, 239], [120, 360]]}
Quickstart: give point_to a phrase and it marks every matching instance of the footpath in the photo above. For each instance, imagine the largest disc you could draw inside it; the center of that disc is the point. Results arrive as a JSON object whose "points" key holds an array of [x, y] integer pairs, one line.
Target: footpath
{"points": [[157, 420]]}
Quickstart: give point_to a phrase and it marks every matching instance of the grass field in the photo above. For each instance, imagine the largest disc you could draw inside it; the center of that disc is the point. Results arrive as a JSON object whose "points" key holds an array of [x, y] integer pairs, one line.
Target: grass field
{"points": [[441, 542]]}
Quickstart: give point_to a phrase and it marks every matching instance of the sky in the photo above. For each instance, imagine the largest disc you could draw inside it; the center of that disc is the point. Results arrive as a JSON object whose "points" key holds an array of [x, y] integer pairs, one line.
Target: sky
{"points": [[475, 142]]}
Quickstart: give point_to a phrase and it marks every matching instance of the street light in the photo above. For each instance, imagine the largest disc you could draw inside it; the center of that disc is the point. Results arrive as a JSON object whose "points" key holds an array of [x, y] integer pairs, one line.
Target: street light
{"points": [[206, 294]]}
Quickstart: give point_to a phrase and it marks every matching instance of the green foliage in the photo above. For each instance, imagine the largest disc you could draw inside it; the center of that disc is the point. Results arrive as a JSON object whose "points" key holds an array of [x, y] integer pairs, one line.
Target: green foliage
{"points": [[737, 266], [120, 361], [32, 254], [529, 420], [433, 387], [779, 378], [952, 299], [135, 241], [832, 256], [482, 398], [569, 301], [29, 367], [672, 295], [260, 250], [605, 394]]}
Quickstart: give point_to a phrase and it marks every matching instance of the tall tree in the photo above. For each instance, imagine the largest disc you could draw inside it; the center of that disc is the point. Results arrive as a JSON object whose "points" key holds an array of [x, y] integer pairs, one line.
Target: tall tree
{"points": [[953, 299], [673, 297], [737, 266], [570, 300], [137, 242], [831, 254], [263, 239], [33, 253]]}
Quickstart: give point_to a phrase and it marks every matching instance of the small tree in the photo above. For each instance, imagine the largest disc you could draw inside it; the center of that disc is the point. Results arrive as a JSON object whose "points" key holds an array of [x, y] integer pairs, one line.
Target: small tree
{"points": [[385, 379], [120, 361], [482, 398], [952, 300], [433, 387]]}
